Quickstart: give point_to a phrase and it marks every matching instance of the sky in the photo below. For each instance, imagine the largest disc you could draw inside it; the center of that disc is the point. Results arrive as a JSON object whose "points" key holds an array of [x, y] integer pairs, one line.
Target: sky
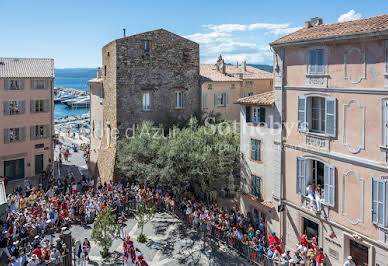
{"points": [[73, 32]]}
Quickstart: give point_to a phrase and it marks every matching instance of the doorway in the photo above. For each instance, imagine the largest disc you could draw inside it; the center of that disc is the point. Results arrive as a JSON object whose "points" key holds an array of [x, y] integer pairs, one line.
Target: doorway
{"points": [[310, 229], [38, 164], [359, 253], [14, 169]]}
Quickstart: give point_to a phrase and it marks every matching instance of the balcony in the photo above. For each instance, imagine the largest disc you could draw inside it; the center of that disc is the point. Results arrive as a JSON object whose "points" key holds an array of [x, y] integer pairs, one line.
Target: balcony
{"points": [[312, 206], [316, 141]]}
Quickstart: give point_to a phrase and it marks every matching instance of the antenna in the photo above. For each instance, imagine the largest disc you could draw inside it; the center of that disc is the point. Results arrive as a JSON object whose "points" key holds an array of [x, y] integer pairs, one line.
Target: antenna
{"points": [[124, 32]]}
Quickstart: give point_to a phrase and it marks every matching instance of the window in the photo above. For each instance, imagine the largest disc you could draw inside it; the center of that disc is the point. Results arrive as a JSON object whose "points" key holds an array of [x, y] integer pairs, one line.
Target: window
{"points": [[147, 101], [147, 46], [316, 63], [256, 186], [105, 71], [221, 99], [379, 202], [249, 84], [209, 86], [13, 84], [385, 122], [14, 107], [185, 57], [179, 99], [317, 114], [233, 86], [247, 114], [249, 94], [39, 132], [258, 115], [12, 135], [255, 149], [312, 175], [38, 84], [204, 101]]}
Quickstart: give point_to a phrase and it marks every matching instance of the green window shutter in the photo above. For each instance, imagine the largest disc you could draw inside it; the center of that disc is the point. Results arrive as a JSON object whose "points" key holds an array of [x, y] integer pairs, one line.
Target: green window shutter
{"points": [[22, 134], [32, 84], [22, 107], [46, 84], [258, 187], [247, 114], [329, 186], [6, 107], [253, 178], [226, 99], [300, 175], [302, 113], [262, 115], [46, 106], [32, 133], [6, 135], [21, 84], [32, 106], [215, 99], [46, 131], [253, 149], [6, 84], [258, 150]]}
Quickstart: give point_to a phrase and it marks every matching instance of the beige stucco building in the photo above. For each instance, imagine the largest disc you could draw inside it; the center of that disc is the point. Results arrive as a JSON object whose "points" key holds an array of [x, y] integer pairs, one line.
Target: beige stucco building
{"points": [[222, 85], [260, 132], [333, 82], [27, 117]]}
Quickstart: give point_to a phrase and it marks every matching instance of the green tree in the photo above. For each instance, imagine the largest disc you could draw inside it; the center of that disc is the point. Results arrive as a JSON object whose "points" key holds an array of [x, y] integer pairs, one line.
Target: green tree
{"points": [[204, 153], [144, 213], [105, 230]]}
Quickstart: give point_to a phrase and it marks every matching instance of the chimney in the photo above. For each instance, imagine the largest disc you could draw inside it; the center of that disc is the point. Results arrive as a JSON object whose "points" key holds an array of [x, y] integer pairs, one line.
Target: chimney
{"points": [[124, 32], [307, 24], [98, 72], [244, 65]]}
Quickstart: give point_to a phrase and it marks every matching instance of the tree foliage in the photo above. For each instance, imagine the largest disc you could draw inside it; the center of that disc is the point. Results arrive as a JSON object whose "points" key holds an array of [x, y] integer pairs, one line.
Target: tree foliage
{"points": [[145, 210], [204, 155], [105, 230]]}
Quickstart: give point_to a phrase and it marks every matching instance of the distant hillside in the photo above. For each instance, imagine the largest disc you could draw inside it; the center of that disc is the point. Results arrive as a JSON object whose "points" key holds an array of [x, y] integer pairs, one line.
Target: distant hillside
{"points": [[75, 72], [263, 67]]}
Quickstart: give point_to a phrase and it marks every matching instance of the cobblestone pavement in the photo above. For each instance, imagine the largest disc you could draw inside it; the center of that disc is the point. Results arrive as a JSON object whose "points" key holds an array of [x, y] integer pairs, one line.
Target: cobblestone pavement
{"points": [[170, 242]]}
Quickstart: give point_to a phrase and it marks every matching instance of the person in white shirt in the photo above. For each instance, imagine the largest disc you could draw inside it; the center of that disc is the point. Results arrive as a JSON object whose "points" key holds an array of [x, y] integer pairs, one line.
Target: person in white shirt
{"points": [[349, 262], [33, 261]]}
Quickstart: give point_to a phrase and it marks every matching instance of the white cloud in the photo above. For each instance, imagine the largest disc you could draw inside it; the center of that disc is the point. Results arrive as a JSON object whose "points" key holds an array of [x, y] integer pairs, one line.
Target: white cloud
{"points": [[351, 15], [238, 42]]}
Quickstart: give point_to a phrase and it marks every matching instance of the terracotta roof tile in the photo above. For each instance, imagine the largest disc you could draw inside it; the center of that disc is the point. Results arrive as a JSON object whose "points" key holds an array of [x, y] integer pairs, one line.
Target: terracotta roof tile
{"points": [[259, 201], [265, 98], [209, 72], [360, 26], [26, 68]]}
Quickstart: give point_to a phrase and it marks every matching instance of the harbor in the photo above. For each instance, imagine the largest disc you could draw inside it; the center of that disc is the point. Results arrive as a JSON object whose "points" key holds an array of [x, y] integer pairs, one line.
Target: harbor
{"points": [[73, 98]]}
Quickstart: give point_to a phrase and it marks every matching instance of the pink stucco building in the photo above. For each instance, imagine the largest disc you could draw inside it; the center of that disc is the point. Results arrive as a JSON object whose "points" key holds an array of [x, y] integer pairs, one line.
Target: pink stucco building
{"points": [[27, 115], [331, 82]]}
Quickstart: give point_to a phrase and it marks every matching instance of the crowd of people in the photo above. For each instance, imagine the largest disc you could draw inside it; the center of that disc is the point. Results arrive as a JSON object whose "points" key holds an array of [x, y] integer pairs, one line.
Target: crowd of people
{"points": [[35, 213]]}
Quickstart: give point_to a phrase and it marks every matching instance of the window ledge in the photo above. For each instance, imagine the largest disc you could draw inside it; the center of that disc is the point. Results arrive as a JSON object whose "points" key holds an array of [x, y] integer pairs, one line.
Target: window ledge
{"points": [[178, 108], [316, 134], [317, 75]]}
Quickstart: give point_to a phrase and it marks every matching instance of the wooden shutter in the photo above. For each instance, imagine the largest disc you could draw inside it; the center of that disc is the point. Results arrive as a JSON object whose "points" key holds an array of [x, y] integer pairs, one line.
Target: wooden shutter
{"points": [[21, 84], [6, 84], [22, 107], [226, 99], [46, 131], [32, 133], [253, 178], [253, 149], [215, 99], [300, 175], [258, 186], [6, 135], [32, 106], [386, 123], [262, 115], [330, 116], [23, 134], [247, 114], [379, 190], [6, 107], [311, 62], [329, 186], [302, 113], [46, 84], [32, 84], [46, 106], [320, 61]]}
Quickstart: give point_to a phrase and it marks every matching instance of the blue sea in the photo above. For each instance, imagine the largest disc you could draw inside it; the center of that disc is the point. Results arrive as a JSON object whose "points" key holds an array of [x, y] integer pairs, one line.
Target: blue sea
{"points": [[76, 78]]}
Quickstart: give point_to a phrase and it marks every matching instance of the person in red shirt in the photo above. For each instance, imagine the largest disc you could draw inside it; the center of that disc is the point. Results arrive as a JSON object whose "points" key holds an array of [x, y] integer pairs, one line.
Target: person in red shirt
{"points": [[37, 252], [320, 257], [278, 248], [304, 241], [273, 239]]}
